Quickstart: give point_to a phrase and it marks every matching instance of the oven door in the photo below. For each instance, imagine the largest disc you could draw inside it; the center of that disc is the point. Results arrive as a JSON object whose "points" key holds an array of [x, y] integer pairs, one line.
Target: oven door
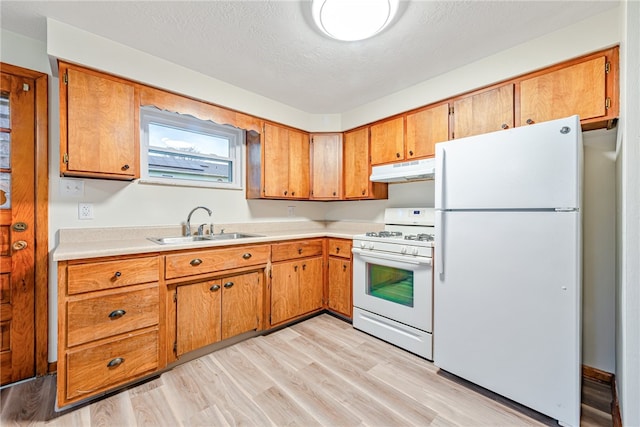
{"points": [[398, 287]]}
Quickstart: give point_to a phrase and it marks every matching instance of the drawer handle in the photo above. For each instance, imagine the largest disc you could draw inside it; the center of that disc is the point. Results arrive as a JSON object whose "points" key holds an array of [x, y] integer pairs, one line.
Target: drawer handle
{"points": [[505, 126], [246, 256], [300, 251], [196, 262], [115, 362], [529, 121], [116, 314], [228, 285], [337, 249], [214, 288], [125, 167], [117, 274]]}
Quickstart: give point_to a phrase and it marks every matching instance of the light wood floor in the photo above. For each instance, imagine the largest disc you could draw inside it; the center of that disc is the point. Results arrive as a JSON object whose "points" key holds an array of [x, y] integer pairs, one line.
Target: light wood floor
{"points": [[318, 372]]}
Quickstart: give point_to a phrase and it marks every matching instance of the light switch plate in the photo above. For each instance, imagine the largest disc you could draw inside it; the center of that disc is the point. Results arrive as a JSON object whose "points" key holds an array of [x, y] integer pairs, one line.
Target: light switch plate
{"points": [[71, 187]]}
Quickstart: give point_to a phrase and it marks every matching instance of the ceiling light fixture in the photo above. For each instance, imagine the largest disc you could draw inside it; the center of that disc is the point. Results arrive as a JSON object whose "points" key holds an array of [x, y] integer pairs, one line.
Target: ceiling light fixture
{"points": [[352, 20]]}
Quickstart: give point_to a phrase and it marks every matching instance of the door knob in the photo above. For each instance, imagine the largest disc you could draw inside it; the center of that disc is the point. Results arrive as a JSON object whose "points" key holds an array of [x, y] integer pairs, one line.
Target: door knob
{"points": [[19, 245]]}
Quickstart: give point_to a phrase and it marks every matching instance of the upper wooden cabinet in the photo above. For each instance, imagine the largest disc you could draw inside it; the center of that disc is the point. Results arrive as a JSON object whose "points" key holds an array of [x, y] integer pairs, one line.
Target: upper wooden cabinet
{"points": [[326, 166], [425, 128], [99, 131], [285, 165], [482, 112], [585, 88], [357, 168], [387, 141]]}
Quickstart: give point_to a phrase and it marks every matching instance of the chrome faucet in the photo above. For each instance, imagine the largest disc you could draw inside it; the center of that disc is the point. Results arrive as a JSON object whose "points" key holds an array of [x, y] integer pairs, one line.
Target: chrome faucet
{"points": [[187, 231]]}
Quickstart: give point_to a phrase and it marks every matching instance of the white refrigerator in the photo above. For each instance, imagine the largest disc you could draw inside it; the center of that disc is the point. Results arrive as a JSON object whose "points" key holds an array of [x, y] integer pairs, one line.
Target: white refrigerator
{"points": [[507, 264]]}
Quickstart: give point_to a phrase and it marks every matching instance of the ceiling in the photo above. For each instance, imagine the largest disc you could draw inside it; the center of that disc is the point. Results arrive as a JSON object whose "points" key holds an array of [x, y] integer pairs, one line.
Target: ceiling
{"points": [[272, 48]]}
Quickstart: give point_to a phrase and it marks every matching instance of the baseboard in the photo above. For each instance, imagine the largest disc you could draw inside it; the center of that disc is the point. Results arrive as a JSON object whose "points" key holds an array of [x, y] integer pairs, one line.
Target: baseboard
{"points": [[53, 367], [610, 379]]}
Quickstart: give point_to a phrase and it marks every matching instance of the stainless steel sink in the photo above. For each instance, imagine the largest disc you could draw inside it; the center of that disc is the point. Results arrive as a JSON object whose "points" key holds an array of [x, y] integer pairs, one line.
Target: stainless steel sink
{"points": [[207, 238]]}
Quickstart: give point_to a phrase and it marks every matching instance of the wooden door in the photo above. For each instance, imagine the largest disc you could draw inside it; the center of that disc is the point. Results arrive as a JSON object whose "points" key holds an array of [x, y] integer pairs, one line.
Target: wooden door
{"points": [[424, 129], [356, 164], [17, 228], [579, 89], [241, 303], [487, 111], [285, 299], [339, 286], [299, 177], [326, 166], [100, 122], [387, 141], [310, 285], [198, 313], [276, 161]]}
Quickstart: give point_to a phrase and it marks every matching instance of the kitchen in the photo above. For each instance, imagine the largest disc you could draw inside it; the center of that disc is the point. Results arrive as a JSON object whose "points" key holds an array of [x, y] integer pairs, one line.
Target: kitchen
{"points": [[113, 200]]}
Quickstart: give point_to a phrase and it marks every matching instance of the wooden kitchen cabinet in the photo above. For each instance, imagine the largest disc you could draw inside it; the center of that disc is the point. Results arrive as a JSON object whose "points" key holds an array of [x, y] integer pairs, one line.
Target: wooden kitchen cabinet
{"points": [[339, 284], [99, 125], [425, 128], [286, 163], [584, 87], [296, 279], [326, 166], [357, 169], [387, 141], [108, 324], [484, 111], [214, 310]]}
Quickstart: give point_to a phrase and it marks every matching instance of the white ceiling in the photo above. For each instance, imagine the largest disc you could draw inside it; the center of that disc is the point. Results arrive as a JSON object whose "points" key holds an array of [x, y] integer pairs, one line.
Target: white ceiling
{"points": [[272, 48]]}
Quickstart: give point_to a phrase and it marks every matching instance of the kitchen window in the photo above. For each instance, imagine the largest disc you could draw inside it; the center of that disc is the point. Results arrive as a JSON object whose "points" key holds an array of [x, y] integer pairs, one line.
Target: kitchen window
{"points": [[178, 149]]}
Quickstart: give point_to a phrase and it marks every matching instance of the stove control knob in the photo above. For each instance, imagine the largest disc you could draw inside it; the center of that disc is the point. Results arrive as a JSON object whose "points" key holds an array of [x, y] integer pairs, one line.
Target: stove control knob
{"points": [[370, 245], [415, 251], [403, 250], [362, 245]]}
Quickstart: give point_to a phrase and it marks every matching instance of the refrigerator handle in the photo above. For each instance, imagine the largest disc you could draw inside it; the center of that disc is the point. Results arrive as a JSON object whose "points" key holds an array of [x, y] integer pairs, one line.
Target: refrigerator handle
{"points": [[438, 242], [439, 190]]}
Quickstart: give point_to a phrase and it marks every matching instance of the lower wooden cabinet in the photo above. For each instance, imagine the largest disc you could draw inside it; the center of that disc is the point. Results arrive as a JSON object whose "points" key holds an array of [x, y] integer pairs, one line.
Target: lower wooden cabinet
{"points": [[296, 288], [214, 310], [339, 284]]}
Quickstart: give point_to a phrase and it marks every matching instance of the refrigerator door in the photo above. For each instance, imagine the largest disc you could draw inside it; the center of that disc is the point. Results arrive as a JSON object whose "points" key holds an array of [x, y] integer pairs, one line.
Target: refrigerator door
{"points": [[530, 167], [507, 305]]}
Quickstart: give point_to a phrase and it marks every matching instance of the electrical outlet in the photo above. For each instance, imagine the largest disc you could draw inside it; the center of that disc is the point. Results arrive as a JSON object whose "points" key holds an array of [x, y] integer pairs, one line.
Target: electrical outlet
{"points": [[85, 211], [71, 187], [291, 211]]}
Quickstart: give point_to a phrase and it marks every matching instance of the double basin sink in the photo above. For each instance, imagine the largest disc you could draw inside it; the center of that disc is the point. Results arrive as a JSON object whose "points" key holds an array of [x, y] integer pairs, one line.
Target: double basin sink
{"points": [[206, 238]]}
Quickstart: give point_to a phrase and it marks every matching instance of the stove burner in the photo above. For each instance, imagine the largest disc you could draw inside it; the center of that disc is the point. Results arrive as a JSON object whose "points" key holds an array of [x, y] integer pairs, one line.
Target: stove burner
{"points": [[384, 233], [423, 237]]}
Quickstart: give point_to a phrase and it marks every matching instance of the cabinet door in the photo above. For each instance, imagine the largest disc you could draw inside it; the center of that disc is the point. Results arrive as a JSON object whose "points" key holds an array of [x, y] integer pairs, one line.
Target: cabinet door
{"points": [[241, 303], [310, 284], [356, 164], [387, 141], [424, 129], [339, 286], [198, 315], [326, 166], [285, 300], [101, 124], [579, 89], [298, 165], [276, 161], [484, 112]]}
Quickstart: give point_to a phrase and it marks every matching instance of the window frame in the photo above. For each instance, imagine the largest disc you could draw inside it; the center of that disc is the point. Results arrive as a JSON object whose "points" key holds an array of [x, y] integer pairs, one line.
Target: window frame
{"points": [[185, 122]]}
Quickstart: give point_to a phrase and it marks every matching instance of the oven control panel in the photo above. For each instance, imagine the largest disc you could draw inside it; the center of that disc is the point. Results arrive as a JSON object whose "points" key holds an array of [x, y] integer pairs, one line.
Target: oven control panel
{"points": [[412, 216]]}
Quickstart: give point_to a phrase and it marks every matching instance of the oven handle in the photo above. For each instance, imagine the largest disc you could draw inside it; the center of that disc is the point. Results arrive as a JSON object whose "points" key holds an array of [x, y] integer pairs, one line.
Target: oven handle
{"points": [[392, 257]]}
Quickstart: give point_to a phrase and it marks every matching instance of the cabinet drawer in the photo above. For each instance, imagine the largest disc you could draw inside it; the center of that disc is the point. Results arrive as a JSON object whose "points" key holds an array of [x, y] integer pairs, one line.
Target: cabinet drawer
{"points": [[102, 316], [293, 250], [203, 262], [96, 276], [340, 247], [93, 369]]}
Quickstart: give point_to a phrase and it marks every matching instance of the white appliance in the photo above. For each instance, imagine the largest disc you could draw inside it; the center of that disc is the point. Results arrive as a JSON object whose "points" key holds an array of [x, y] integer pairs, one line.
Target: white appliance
{"points": [[414, 170], [393, 280], [507, 282]]}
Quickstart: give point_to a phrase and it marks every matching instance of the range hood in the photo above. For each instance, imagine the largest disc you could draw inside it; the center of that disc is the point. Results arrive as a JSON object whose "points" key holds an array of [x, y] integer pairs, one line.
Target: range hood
{"points": [[414, 170]]}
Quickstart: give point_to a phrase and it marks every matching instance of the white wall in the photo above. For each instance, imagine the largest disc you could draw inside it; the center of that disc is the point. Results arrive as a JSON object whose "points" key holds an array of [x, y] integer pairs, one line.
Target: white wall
{"points": [[628, 220], [119, 203]]}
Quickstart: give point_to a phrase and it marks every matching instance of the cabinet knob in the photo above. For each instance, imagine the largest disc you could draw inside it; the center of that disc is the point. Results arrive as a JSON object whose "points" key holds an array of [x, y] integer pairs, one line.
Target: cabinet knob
{"points": [[505, 126], [304, 266], [293, 193], [195, 262], [299, 251], [125, 167], [285, 192], [115, 362], [117, 274], [337, 249], [19, 245], [214, 288], [363, 192], [398, 155], [530, 121], [295, 268], [344, 267], [116, 314], [334, 193], [410, 153], [246, 255], [228, 285]]}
